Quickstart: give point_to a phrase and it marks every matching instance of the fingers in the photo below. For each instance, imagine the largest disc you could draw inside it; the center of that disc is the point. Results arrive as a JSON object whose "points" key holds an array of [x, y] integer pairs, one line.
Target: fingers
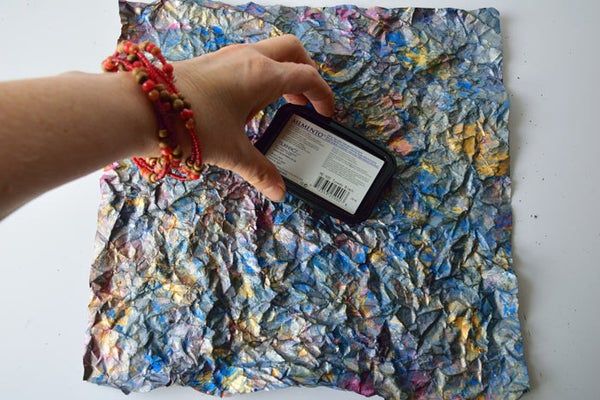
{"points": [[299, 79], [286, 48], [302, 79], [257, 170]]}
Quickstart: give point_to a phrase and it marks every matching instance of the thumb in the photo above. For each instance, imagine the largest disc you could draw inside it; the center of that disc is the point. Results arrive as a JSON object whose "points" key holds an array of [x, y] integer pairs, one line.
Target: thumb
{"points": [[257, 170]]}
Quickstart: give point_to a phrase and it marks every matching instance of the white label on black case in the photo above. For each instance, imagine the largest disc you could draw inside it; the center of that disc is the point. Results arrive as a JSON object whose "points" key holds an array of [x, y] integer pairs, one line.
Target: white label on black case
{"points": [[324, 163]]}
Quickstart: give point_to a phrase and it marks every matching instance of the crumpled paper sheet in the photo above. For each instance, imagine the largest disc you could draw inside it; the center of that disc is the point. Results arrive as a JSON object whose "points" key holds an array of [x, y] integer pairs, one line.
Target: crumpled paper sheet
{"points": [[210, 285]]}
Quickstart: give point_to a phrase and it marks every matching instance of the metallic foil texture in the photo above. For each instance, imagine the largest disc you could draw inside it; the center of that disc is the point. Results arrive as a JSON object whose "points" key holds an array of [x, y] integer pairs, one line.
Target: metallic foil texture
{"points": [[208, 284]]}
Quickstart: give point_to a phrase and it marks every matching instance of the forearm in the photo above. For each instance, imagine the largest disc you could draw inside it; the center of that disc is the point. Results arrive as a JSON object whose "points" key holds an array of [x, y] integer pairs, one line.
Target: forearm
{"points": [[56, 129]]}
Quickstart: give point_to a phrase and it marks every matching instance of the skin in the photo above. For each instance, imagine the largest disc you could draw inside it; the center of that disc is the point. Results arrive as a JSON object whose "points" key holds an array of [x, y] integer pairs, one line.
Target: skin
{"points": [[59, 128]]}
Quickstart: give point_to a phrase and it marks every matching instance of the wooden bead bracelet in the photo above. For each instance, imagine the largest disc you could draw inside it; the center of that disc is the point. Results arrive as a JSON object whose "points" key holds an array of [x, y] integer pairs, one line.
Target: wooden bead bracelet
{"points": [[155, 76]]}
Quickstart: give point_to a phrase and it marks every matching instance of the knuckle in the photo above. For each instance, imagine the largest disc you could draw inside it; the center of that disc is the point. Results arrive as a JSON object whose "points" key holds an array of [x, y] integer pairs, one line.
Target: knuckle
{"points": [[314, 72], [293, 40], [309, 71], [259, 64], [297, 73]]}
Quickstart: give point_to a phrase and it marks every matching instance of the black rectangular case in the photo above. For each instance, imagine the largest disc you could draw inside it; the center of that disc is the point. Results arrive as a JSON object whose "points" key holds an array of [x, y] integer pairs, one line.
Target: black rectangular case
{"points": [[383, 177]]}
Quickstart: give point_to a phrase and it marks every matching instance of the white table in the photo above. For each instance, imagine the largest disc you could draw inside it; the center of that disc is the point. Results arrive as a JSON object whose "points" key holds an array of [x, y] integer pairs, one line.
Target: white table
{"points": [[551, 72]]}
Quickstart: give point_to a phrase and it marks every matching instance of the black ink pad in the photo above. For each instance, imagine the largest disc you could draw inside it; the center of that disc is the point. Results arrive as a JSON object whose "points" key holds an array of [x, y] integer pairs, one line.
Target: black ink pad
{"points": [[331, 167]]}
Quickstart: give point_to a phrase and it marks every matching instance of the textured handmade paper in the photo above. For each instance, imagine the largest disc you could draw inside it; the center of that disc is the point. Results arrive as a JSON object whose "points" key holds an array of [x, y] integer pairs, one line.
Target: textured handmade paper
{"points": [[210, 285]]}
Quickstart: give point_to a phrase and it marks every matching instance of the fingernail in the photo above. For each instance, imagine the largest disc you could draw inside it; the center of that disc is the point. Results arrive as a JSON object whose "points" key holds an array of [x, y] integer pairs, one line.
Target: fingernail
{"points": [[276, 193]]}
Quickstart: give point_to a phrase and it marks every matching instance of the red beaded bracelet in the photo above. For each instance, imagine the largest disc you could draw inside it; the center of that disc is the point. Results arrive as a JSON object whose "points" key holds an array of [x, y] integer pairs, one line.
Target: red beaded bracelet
{"points": [[155, 75]]}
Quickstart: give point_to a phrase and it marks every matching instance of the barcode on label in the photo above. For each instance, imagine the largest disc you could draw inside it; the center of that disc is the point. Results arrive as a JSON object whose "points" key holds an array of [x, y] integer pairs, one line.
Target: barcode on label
{"points": [[331, 188]]}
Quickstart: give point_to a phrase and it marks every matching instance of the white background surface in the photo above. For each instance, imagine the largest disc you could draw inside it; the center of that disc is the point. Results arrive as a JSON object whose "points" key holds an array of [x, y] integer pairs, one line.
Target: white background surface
{"points": [[551, 73]]}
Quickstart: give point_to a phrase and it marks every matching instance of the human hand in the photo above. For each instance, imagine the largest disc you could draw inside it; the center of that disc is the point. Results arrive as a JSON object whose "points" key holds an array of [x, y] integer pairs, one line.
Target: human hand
{"points": [[228, 87]]}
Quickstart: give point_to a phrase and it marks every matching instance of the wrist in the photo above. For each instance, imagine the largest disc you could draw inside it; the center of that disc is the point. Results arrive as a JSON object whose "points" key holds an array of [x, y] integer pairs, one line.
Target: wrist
{"points": [[189, 81], [137, 113], [155, 75]]}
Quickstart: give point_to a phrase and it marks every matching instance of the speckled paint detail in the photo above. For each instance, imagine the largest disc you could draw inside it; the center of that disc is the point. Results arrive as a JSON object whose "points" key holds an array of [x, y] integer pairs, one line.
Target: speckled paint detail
{"points": [[209, 285]]}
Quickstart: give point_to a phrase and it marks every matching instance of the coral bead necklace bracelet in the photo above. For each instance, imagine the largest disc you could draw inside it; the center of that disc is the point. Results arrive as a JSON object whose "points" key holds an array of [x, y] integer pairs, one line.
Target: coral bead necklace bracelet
{"points": [[155, 76]]}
